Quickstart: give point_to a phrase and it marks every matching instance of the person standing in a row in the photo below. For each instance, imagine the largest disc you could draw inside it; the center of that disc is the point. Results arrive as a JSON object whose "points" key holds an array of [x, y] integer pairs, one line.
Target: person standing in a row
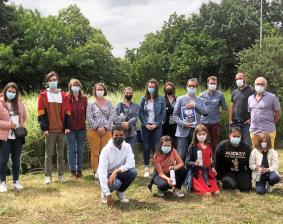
{"points": [[151, 114], [238, 114], [213, 100], [12, 116], [187, 114], [169, 126], [54, 118], [100, 117], [127, 114], [76, 137]]}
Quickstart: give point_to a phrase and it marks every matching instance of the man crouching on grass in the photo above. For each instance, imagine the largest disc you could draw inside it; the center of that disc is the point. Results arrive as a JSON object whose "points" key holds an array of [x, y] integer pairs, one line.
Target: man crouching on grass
{"points": [[116, 169]]}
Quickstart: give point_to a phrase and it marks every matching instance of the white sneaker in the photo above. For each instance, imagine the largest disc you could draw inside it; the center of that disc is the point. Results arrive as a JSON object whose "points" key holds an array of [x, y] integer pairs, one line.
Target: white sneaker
{"points": [[146, 172], [177, 193], [122, 197], [103, 198], [269, 188], [3, 187], [160, 193], [47, 180], [17, 185], [62, 179]]}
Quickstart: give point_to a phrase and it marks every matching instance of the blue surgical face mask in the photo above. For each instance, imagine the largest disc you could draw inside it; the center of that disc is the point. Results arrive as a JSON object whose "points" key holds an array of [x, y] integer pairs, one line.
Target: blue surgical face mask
{"points": [[151, 90], [166, 149], [191, 91], [75, 89], [53, 84], [235, 140], [10, 95]]}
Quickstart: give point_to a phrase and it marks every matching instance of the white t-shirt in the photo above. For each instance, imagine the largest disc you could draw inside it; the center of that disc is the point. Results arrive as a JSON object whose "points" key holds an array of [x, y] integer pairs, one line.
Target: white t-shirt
{"points": [[15, 119]]}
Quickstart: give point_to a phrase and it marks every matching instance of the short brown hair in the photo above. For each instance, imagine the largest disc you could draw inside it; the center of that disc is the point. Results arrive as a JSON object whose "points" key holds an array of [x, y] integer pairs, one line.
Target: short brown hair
{"points": [[266, 138], [169, 84], [193, 80], [212, 77], [77, 83], [199, 128], [50, 74], [102, 85]]}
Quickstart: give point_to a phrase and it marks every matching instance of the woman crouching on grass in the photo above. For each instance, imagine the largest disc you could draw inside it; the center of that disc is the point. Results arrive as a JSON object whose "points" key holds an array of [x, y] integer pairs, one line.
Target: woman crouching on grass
{"points": [[12, 116], [167, 162], [201, 172], [264, 165]]}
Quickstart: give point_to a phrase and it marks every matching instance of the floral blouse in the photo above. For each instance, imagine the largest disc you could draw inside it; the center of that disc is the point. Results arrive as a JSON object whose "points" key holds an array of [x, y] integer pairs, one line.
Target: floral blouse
{"points": [[100, 117]]}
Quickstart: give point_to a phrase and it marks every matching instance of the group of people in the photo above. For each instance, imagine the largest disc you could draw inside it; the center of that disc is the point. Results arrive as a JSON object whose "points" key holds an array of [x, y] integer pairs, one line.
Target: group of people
{"points": [[182, 133]]}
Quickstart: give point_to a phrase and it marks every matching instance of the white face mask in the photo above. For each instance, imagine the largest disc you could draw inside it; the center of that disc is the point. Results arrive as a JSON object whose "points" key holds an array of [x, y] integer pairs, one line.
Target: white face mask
{"points": [[100, 93], [259, 89], [166, 149], [191, 91], [212, 87], [263, 145], [240, 83], [201, 138], [75, 89]]}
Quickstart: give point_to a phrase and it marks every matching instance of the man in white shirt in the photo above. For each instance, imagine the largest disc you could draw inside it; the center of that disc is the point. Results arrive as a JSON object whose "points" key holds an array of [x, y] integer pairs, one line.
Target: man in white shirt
{"points": [[116, 169]]}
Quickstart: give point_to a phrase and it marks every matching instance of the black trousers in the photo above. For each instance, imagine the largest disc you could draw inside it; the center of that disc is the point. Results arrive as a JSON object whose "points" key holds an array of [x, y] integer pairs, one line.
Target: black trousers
{"points": [[162, 184], [237, 180]]}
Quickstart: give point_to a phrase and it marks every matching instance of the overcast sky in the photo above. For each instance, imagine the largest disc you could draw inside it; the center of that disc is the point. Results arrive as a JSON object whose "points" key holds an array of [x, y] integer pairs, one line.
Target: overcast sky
{"points": [[124, 22]]}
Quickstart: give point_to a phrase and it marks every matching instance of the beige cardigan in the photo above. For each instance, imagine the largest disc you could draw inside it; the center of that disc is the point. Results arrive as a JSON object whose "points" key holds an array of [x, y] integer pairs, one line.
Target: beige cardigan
{"points": [[256, 159]]}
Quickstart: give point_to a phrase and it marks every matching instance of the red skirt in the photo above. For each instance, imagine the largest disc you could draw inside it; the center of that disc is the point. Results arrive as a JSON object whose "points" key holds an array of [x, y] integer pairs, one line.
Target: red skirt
{"points": [[200, 187]]}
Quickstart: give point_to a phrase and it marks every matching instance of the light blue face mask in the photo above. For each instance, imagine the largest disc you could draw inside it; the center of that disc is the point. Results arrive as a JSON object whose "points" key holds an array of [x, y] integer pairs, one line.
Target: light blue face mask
{"points": [[75, 89], [10, 95], [53, 85], [151, 90], [235, 140], [166, 149], [191, 91]]}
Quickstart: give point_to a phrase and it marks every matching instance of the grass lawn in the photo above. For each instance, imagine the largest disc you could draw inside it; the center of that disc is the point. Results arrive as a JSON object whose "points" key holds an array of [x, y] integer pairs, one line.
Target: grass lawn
{"points": [[78, 201]]}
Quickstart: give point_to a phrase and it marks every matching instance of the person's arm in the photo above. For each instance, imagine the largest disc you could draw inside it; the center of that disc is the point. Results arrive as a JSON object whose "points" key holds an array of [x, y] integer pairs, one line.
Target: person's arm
{"points": [[142, 113], [200, 106], [162, 112], [67, 112], [277, 116], [111, 117], [277, 109], [231, 111], [223, 103], [134, 119], [103, 173], [41, 116], [176, 113], [252, 161], [117, 110], [130, 160], [179, 161], [191, 158], [6, 125], [274, 162], [24, 115], [90, 118], [218, 162]]}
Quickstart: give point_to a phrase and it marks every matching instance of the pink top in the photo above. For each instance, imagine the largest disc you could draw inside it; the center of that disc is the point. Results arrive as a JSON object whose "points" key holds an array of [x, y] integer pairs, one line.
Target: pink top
{"points": [[5, 120]]}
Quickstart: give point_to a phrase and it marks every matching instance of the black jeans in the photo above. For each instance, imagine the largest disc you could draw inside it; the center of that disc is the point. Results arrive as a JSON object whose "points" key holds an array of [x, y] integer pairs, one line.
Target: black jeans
{"points": [[162, 184], [13, 147], [237, 180]]}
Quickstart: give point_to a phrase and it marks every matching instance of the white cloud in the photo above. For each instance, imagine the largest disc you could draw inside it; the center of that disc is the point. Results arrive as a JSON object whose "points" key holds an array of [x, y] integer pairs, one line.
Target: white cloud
{"points": [[124, 22]]}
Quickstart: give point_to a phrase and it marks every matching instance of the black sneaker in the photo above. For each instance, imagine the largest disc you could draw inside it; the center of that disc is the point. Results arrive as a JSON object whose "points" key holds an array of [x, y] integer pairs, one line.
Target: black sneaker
{"points": [[73, 173], [79, 174]]}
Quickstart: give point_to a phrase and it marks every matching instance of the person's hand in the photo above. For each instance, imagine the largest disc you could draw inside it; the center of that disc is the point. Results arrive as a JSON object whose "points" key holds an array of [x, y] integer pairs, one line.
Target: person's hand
{"points": [[148, 126], [247, 121], [101, 131], [214, 171], [190, 105], [187, 125], [196, 163], [110, 201], [153, 126], [258, 168], [67, 131], [46, 133], [125, 125], [13, 125], [169, 181], [171, 167], [265, 170], [112, 179]]}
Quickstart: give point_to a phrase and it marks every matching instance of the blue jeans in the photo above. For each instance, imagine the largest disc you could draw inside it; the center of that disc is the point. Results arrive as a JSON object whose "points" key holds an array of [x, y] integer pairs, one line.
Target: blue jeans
{"points": [[272, 177], [75, 145], [133, 142], [13, 147], [150, 141], [123, 180], [183, 144], [246, 134]]}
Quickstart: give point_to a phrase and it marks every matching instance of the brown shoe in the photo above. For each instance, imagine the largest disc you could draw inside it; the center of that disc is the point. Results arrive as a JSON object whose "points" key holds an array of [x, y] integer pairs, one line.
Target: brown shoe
{"points": [[73, 173], [79, 174]]}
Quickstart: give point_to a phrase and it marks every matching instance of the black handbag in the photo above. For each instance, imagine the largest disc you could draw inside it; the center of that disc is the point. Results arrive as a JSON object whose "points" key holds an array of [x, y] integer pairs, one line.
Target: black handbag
{"points": [[21, 132]]}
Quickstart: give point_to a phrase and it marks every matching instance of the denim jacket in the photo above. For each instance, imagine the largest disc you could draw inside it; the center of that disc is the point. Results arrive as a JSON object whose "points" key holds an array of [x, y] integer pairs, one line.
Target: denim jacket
{"points": [[159, 110], [200, 109]]}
